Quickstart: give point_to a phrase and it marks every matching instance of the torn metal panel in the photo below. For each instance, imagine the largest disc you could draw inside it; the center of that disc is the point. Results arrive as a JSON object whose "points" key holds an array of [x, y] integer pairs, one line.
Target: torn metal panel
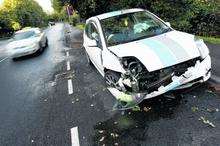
{"points": [[199, 72]]}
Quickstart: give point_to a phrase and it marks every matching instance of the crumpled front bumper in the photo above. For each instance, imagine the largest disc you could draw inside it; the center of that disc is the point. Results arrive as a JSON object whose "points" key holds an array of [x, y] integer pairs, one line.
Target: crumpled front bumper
{"points": [[201, 72]]}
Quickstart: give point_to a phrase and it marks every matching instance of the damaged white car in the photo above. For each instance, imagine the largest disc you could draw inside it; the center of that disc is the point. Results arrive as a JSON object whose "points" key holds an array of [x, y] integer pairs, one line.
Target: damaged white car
{"points": [[141, 56]]}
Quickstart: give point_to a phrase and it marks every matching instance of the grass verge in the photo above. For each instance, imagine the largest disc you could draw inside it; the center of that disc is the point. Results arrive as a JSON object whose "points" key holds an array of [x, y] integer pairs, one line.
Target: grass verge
{"points": [[212, 40], [80, 26]]}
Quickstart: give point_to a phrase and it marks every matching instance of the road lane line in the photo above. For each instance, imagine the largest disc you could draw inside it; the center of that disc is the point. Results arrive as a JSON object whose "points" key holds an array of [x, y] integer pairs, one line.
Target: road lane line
{"points": [[68, 65], [74, 136], [67, 54], [4, 59], [70, 86]]}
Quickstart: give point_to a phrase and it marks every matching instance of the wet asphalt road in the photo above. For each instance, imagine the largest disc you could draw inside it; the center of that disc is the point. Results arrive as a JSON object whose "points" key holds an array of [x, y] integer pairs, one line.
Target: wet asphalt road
{"points": [[36, 108]]}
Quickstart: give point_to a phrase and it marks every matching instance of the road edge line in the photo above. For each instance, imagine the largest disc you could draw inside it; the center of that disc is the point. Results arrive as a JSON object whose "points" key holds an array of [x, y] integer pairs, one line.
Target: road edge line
{"points": [[68, 65], [74, 136], [70, 86]]}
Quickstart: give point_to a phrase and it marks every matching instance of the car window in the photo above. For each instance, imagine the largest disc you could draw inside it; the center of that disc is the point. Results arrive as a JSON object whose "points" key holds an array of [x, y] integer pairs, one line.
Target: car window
{"points": [[131, 26], [24, 35], [92, 32]]}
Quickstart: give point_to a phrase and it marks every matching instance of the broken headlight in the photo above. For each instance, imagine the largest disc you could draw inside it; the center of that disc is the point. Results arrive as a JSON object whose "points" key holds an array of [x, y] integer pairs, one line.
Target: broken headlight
{"points": [[132, 65], [134, 68], [203, 49]]}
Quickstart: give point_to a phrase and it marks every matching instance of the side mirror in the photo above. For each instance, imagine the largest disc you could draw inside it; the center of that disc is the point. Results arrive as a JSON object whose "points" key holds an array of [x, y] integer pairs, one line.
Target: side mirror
{"points": [[93, 43], [168, 24]]}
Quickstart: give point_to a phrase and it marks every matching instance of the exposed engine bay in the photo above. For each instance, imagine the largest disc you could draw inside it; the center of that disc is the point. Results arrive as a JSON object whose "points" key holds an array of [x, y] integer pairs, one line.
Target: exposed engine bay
{"points": [[137, 79], [137, 84]]}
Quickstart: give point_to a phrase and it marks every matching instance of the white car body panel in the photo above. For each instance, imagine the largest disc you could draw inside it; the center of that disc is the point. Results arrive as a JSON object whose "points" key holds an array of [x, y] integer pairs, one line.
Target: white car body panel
{"points": [[160, 51]]}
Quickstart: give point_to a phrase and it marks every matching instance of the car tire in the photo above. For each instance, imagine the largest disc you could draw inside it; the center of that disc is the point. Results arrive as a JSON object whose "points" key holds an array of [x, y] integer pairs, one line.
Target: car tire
{"points": [[40, 48], [46, 44], [111, 78]]}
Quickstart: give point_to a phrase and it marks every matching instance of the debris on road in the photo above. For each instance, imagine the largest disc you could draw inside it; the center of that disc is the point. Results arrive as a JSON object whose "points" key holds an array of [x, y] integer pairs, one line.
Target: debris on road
{"points": [[102, 139], [194, 109], [146, 109], [206, 121], [114, 135], [101, 131], [136, 108], [115, 122], [52, 83], [212, 110]]}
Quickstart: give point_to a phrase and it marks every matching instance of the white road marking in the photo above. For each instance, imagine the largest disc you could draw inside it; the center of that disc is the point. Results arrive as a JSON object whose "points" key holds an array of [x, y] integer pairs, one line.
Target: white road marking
{"points": [[4, 59], [68, 65], [67, 54], [74, 136], [70, 86]]}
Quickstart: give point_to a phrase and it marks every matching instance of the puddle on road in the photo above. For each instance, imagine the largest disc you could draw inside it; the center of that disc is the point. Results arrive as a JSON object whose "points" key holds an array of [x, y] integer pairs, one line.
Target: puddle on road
{"points": [[131, 127]]}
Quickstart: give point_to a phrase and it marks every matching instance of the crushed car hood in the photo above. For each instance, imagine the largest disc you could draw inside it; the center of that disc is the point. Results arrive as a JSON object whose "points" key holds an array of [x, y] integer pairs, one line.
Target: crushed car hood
{"points": [[160, 51]]}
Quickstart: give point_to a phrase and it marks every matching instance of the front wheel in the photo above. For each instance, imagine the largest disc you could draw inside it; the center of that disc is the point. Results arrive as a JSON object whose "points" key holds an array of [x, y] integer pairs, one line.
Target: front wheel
{"points": [[112, 78]]}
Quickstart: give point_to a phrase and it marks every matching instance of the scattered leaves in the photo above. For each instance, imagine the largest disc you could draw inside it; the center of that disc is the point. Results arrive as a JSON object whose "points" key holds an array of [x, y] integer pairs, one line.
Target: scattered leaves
{"points": [[206, 121], [102, 139], [114, 135], [136, 108], [194, 109], [101, 131]]}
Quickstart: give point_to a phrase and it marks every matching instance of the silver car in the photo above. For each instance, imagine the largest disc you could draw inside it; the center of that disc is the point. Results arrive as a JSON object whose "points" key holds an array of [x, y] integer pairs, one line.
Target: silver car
{"points": [[26, 42]]}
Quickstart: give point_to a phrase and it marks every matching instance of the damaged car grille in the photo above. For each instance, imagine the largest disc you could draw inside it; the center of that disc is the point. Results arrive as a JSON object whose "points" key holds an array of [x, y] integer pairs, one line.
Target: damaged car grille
{"points": [[151, 81]]}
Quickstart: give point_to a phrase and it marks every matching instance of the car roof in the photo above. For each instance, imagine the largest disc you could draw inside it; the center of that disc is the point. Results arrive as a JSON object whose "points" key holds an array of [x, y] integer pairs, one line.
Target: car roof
{"points": [[119, 12], [28, 29]]}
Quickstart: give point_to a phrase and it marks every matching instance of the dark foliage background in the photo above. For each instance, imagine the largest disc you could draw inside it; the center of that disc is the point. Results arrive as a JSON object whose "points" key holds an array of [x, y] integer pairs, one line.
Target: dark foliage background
{"points": [[201, 17]]}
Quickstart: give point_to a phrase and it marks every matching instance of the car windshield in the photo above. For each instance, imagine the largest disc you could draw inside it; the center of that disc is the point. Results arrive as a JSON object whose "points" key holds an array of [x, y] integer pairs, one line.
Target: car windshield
{"points": [[131, 27], [24, 35]]}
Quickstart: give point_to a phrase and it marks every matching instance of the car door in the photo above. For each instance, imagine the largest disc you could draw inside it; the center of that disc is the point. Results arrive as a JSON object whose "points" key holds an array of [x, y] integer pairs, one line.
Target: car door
{"points": [[94, 52]]}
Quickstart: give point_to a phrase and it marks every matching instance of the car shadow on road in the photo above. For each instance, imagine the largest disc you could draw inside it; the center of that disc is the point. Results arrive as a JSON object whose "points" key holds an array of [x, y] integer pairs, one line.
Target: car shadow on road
{"points": [[132, 127]]}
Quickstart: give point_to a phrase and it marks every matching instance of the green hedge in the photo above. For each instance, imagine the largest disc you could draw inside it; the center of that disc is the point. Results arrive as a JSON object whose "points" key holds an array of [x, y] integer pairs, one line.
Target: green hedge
{"points": [[195, 16]]}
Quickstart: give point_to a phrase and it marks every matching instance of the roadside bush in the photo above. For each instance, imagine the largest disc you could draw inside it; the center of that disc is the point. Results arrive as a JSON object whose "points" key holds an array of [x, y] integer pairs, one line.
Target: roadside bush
{"points": [[16, 14], [194, 16], [74, 19]]}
